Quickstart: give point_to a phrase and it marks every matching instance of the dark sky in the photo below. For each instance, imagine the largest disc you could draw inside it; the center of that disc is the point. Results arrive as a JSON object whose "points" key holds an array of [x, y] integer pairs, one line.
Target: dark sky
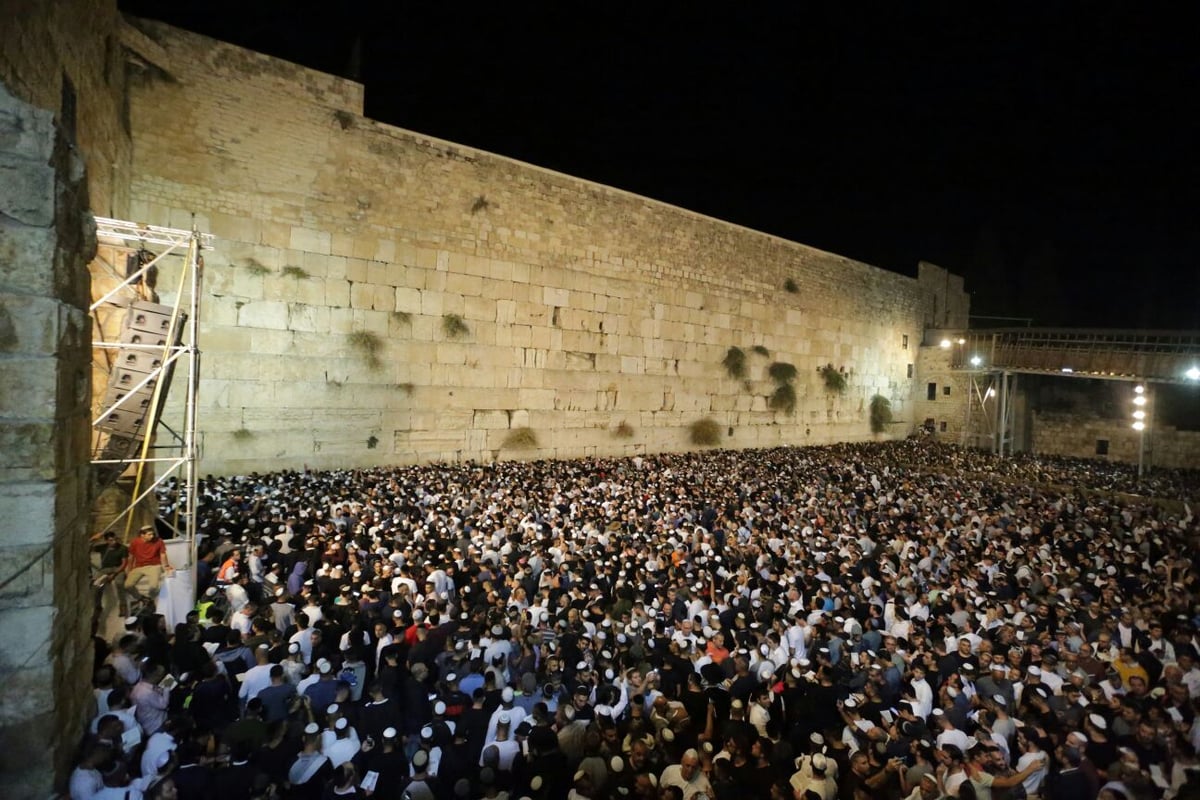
{"points": [[1045, 152]]}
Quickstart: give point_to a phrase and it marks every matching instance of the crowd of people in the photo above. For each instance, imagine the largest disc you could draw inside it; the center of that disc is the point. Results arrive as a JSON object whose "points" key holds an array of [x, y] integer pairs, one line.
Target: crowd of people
{"points": [[894, 620]]}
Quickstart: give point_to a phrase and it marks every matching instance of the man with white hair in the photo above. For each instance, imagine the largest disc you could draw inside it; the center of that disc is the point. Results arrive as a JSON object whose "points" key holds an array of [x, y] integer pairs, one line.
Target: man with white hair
{"points": [[687, 776]]}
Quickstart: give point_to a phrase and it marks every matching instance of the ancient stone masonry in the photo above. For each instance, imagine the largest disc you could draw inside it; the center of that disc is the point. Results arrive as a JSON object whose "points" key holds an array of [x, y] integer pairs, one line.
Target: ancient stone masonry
{"points": [[45, 605], [380, 296], [1081, 436]]}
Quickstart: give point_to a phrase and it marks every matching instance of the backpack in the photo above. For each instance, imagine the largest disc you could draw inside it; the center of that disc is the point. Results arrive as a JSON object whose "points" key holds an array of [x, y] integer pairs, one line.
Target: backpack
{"points": [[348, 676]]}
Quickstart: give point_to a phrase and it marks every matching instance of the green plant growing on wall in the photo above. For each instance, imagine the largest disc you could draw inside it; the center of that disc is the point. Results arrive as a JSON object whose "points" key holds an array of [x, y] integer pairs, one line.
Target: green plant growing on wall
{"points": [[623, 430], [790, 286], [292, 271], [256, 267], [454, 326], [343, 118], [242, 434], [761, 350], [368, 346], [782, 372], [835, 381], [481, 204], [521, 439], [372, 442], [880, 412], [403, 317], [735, 363], [705, 432], [407, 388], [783, 399]]}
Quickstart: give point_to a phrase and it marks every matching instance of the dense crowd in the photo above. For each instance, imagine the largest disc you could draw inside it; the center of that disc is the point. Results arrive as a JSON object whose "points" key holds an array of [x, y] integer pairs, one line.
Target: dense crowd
{"points": [[901, 620]]}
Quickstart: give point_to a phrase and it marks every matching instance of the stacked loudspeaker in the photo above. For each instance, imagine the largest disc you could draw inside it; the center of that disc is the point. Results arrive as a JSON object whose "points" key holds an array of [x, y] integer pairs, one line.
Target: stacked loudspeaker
{"points": [[146, 335]]}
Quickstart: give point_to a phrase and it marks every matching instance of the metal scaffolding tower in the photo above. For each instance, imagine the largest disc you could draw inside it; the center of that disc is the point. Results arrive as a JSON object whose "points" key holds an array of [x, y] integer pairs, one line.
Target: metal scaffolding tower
{"points": [[162, 443]]}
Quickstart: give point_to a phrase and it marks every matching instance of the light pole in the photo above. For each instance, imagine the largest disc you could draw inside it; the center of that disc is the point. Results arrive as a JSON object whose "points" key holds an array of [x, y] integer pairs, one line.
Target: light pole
{"points": [[1139, 424]]}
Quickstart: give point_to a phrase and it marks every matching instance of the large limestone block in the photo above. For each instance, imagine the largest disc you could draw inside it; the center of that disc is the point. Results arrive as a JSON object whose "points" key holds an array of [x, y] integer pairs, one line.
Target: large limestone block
{"points": [[310, 240], [29, 385], [25, 253], [408, 300], [264, 314]]}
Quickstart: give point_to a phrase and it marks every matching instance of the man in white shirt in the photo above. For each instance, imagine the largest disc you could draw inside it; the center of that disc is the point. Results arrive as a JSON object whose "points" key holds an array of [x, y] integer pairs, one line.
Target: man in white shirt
{"points": [[687, 776], [258, 677], [922, 693], [303, 637]]}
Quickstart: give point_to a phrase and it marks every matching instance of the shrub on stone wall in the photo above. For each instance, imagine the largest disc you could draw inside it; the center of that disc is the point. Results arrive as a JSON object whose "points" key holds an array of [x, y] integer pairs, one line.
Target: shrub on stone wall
{"points": [[881, 413], [521, 439], [782, 372], [761, 350], [790, 286], [623, 430], [835, 380], [256, 267], [783, 399], [735, 363], [454, 326], [292, 271], [705, 432], [368, 346]]}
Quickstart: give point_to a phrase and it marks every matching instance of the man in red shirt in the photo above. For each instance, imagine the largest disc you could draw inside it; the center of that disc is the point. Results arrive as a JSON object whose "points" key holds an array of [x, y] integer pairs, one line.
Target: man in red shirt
{"points": [[147, 559]]}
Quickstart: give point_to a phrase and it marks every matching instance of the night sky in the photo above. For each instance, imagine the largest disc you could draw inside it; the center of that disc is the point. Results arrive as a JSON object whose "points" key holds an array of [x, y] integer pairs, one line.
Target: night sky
{"points": [[1046, 154]]}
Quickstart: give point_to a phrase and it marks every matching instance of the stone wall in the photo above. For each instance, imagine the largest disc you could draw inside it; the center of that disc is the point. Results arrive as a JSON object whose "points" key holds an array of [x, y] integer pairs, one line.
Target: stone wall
{"points": [[71, 57], [591, 313], [63, 72], [45, 608], [939, 392], [1077, 435]]}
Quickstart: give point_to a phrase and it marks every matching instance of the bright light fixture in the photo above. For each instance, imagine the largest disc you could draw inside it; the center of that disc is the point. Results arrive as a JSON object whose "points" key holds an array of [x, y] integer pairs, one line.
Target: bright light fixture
{"points": [[1139, 414], [1139, 426], [1067, 370], [945, 344], [962, 341], [1140, 400], [976, 361], [1193, 374], [1139, 389]]}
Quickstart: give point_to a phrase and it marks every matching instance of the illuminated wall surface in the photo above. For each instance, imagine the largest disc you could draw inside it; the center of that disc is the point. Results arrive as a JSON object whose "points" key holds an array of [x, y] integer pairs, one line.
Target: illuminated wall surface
{"points": [[349, 251]]}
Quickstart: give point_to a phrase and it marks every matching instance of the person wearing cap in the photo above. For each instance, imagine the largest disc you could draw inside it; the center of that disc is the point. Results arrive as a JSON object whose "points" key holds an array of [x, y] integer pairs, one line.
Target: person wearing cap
{"points": [[311, 769], [258, 677], [303, 638], [322, 692], [339, 742], [813, 774], [150, 699], [507, 710], [382, 763], [228, 571]]}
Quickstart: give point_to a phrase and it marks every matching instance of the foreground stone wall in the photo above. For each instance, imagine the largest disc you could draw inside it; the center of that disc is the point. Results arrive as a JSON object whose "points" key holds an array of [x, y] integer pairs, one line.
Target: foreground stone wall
{"points": [[45, 608], [64, 68], [1077, 435], [594, 317]]}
